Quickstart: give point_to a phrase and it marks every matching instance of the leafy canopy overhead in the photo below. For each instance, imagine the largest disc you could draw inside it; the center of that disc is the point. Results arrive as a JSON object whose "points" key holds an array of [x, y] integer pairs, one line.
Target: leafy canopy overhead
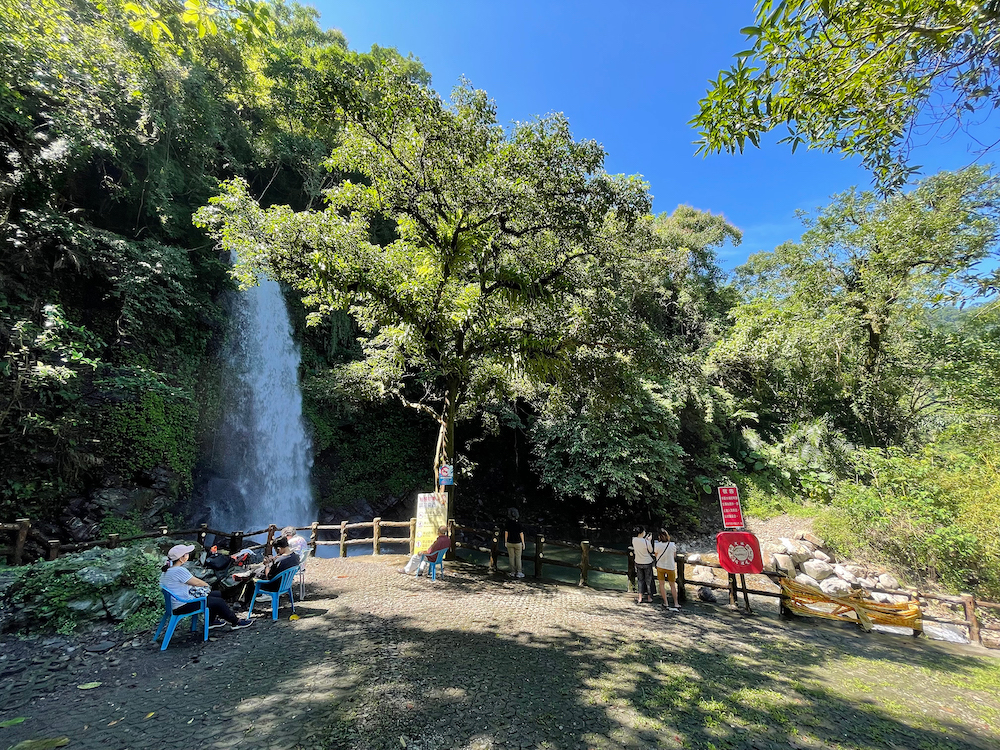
{"points": [[455, 244], [865, 77]]}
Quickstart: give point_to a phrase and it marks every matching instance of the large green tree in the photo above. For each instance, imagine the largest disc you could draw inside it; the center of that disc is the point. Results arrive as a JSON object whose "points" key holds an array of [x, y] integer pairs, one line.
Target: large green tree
{"points": [[865, 77], [840, 324], [457, 245]]}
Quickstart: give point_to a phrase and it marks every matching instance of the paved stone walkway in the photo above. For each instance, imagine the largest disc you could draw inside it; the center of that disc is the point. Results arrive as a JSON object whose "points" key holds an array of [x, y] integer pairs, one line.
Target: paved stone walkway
{"points": [[475, 661]]}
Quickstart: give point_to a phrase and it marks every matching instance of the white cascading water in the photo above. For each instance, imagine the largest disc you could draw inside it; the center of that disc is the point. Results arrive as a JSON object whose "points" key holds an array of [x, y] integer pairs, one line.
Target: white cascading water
{"points": [[262, 445]]}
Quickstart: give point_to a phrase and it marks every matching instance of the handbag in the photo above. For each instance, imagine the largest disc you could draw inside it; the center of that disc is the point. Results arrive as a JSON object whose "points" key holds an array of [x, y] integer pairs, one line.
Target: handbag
{"points": [[199, 592]]}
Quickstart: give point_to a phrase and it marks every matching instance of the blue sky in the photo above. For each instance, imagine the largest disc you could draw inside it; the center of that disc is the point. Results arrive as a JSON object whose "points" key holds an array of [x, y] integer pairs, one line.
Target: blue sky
{"points": [[628, 74]]}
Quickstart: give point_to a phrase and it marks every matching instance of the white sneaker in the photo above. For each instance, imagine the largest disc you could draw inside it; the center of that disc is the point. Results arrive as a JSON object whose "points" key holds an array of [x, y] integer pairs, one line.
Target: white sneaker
{"points": [[520, 575]]}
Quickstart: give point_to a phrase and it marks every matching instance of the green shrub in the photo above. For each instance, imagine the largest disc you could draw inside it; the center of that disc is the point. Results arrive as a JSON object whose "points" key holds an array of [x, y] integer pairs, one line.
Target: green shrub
{"points": [[99, 585], [930, 513], [154, 430]]}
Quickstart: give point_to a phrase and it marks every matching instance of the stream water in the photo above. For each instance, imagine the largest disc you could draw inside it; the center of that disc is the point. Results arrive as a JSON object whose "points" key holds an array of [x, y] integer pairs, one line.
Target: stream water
{"points": [[263, 451]]}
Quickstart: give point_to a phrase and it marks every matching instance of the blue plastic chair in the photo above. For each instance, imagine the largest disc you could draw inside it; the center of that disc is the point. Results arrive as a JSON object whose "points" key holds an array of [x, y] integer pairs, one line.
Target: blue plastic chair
{"points": [[170, 620], [285, 580], [436, 562]]}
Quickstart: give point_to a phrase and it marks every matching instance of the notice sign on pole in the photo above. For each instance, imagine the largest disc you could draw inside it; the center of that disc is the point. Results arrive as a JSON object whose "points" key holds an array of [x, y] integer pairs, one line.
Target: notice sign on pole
{"points": [[732, 513], [446, 475], [432, 512]]}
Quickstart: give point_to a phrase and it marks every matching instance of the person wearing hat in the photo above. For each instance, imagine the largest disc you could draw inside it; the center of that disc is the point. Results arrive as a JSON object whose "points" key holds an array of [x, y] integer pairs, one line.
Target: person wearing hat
{"points": [[178, 580]]}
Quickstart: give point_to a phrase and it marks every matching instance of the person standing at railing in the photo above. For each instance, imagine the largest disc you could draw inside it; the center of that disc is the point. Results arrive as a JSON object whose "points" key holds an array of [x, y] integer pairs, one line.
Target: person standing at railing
{"points": [[642, 546], [442, 542], [513, 537], [665, 563]]}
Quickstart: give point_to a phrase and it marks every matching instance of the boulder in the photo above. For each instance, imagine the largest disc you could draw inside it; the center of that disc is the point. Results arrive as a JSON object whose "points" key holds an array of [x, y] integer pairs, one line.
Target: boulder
{"points": [[856, 570], [844, 574], [811, 538], [834, 586], [796, 551], [867, 583], [784, 563], [706, 594], [808, 545], [694, 558], [809, 581], [821, 555], [124, 603], [888, 581], [700, 574], [817, 569]]}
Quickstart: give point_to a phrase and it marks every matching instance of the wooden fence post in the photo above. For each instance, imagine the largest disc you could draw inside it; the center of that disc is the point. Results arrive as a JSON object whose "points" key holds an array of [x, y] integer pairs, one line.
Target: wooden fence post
{"points": [[631, 570], [969, 603], [24, 525], [539, 554], [584, 562], [313, 538], [343, 538], [203, 534], [681, 593], [53, 549], [376, 534], [269, 544], [413, 535], [112, 541], [164, 531], [495, 549], [235, 542]]}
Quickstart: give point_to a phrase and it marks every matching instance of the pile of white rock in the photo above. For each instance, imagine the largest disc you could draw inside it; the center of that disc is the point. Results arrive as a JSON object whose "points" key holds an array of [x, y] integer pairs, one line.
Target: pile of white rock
{"points": [[807, 560]]}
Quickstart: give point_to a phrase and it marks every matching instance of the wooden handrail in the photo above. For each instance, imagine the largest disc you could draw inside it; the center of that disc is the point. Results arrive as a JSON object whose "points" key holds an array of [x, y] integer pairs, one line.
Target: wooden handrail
{"points": [[24, 531]]}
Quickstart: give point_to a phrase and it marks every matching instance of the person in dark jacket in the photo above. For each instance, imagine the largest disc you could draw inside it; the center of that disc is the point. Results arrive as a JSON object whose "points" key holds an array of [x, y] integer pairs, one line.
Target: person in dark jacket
{"points": [[283, 559]]}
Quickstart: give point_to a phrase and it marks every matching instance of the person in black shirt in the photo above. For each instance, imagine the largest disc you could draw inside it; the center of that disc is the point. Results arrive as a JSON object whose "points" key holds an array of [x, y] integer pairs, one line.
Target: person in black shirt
{"points": [[513, 537], [283, 559]]}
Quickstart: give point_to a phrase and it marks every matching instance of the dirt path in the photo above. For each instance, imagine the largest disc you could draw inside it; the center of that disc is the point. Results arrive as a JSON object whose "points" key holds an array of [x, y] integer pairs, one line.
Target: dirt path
{"points": [[379, 660]]}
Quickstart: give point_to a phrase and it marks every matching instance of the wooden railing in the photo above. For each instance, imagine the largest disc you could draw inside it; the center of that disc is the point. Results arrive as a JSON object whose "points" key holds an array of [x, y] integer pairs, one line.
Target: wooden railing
{"points": [[19, 532], [968, 602]]}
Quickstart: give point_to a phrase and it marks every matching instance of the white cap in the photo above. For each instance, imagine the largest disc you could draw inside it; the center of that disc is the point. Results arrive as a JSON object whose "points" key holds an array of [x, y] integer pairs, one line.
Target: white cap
{"points": [[178, 551]]}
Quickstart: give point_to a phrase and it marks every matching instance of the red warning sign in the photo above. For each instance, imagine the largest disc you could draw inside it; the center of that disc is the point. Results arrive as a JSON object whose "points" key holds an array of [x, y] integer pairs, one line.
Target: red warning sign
{"points": [[739, 552], [732, 512]]}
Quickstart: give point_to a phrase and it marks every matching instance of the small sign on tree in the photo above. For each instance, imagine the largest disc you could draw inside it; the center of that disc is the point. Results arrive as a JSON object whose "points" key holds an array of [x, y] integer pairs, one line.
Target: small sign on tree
{"points": [[732, 512]]}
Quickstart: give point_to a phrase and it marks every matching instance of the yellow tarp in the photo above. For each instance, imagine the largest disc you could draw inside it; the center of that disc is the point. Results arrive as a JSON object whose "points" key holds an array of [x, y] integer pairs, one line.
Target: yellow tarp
{"points": [[803, 600]]}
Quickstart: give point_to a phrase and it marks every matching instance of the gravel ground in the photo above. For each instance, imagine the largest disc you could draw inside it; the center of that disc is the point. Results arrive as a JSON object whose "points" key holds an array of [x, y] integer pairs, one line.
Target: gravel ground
{"points": [[478, 661]]}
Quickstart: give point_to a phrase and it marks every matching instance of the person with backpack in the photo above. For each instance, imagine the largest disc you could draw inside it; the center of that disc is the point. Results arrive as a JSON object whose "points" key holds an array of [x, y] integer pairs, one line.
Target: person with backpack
{"points": [[642, 547], [665, 562]]}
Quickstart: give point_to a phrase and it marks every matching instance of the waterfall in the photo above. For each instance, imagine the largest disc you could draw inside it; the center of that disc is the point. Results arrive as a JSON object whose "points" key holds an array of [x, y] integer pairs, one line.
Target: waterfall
{"points": [[262, 452]]}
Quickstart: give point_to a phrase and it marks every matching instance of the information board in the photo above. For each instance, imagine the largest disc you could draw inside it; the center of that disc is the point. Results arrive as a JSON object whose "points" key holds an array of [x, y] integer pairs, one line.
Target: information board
{"points": [[732, 512], [432, 512]]}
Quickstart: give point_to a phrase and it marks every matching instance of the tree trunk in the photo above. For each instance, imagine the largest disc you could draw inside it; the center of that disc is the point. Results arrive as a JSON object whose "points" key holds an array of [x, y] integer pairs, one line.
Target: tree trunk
{"points": [[451, 408]]}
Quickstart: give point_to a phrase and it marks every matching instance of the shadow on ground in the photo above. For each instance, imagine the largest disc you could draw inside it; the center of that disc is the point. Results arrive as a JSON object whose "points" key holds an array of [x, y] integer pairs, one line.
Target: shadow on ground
{"points": [[472, 663]]}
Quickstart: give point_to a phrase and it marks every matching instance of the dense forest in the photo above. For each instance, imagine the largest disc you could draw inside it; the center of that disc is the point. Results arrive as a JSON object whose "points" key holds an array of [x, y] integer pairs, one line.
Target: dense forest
{"points": [[486, 289]]}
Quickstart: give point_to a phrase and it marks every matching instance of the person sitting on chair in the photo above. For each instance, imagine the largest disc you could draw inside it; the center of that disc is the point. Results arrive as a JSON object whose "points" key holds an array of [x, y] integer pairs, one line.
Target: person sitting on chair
{"points": [[296, 543], [442, 542], [177, 580], [274, 565]]}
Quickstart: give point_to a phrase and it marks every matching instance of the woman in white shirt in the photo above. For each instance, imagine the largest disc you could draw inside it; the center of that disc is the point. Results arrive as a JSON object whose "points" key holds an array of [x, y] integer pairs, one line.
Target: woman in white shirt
{"points": [[642, 547], [665, 560]]}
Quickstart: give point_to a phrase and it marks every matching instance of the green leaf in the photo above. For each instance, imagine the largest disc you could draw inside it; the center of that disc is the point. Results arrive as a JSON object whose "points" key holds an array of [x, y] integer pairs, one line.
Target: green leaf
{"points": [[11, 722]]}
